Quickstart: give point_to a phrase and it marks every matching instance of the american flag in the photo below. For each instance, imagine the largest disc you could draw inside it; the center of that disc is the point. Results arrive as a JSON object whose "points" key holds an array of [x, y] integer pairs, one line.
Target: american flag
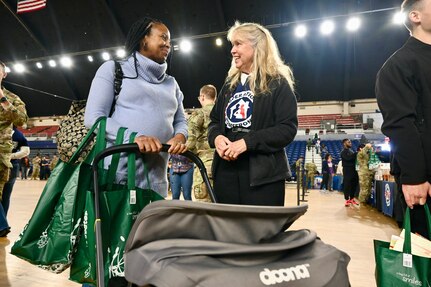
{"points": [[30, 5]]}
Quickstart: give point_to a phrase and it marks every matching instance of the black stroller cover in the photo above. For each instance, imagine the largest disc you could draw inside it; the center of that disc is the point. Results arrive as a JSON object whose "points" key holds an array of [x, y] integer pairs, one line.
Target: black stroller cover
{"points": [[184, 243]]}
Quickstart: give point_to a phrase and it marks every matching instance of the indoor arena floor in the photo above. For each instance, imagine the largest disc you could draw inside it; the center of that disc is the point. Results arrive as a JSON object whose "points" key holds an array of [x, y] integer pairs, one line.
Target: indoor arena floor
{"points": [[350, 229]]}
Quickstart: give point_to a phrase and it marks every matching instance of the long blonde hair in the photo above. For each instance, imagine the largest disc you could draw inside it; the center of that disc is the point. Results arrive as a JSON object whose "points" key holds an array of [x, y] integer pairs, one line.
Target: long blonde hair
{"points": [[266, 60]]}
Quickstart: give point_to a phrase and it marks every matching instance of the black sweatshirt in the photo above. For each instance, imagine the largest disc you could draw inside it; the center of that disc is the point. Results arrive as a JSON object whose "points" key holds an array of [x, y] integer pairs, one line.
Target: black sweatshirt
{"points": [[403, 91]]}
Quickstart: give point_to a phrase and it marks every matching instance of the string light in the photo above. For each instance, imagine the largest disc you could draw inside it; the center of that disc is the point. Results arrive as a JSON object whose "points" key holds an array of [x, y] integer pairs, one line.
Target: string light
{"points": [[301, 31], [19, 68], [219, 42], [353, 24], [185, 45], [52, 63]]}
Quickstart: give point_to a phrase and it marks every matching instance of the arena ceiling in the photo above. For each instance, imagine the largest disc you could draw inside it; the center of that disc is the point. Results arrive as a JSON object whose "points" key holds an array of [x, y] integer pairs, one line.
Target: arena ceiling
{"points": [[341, 66]]}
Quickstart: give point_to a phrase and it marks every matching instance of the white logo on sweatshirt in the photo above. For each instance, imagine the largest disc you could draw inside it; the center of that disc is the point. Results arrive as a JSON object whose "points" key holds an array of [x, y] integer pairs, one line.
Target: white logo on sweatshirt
{"points": [[271, 277]]}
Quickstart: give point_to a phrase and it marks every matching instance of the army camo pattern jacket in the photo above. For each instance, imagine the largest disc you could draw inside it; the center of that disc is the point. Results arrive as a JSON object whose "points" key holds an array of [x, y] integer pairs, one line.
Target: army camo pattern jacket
{"points": [[16, 115], [197, 141]]}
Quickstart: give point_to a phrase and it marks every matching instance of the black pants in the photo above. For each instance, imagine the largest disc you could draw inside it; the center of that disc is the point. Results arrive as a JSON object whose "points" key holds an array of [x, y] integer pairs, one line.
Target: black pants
{"points": [[232, 185], [350, 183]]}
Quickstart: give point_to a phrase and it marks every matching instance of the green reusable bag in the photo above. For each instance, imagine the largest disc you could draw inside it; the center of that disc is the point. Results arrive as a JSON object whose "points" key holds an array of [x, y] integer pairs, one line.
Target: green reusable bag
{"points": [[397, 269], [119, 208], [374, 161], [49, 238]]}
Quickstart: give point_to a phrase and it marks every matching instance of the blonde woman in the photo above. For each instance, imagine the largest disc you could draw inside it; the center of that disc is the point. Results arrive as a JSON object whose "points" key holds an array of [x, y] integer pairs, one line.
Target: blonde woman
{"points": [[253, 120]]}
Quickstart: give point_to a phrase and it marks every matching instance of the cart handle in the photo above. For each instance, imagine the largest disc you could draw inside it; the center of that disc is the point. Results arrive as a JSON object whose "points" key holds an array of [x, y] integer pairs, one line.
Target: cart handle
{"points": [[133, 147]]}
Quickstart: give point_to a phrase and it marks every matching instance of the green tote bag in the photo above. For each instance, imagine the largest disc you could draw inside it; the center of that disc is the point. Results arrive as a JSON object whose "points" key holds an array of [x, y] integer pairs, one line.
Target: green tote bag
{"points": [[49, 238], [396, 269], [119, 208]]}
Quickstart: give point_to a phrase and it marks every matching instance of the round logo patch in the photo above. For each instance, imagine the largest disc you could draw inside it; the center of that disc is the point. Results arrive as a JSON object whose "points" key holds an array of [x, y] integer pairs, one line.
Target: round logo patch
{"points": [[239, 110]]}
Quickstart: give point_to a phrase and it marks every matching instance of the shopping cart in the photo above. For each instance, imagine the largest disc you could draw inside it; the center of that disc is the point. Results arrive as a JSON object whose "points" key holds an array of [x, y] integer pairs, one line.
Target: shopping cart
{"points": [[129, 148], [177, 243]]}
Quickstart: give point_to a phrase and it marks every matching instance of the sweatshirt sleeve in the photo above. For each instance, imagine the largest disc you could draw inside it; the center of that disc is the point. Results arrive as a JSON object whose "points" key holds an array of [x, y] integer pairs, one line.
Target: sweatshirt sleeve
{"points": [[215, 127], [397, 99], [285, 122], [180, 121]]}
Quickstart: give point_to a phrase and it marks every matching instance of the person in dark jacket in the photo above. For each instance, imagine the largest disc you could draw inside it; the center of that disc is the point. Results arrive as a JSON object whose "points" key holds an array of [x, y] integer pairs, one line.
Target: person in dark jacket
{"points": [[253, 120], [328, 172], [403, 91], [351, 179]]}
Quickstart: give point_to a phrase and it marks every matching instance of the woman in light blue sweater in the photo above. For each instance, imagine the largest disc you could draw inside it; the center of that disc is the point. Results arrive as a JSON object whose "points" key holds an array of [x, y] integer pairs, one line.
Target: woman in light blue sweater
{"points": [[150, 102]]}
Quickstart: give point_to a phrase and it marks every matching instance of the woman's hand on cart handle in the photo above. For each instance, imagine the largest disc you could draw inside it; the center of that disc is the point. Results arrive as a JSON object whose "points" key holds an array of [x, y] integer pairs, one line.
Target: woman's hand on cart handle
{"points": [[178, 144], [148, 144]]}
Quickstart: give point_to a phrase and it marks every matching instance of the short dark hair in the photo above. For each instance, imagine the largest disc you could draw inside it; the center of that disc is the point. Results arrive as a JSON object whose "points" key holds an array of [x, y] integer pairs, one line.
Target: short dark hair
{"points": [[209, 91], [406, 7], [345, 140], [139, 30]]}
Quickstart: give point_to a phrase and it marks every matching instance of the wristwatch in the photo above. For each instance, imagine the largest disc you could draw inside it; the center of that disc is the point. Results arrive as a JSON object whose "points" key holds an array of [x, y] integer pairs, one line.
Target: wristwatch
{"points": [[3, 99]]}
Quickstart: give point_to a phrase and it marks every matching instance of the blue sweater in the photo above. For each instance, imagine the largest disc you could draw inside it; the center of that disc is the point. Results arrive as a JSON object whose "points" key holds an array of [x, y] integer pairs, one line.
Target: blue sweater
{"points": [[150, 105]]}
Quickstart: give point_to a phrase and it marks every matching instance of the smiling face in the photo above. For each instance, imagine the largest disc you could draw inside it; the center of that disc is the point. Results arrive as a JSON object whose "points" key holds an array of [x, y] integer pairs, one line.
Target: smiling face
{"points": [[157, 44], [242, 53]]}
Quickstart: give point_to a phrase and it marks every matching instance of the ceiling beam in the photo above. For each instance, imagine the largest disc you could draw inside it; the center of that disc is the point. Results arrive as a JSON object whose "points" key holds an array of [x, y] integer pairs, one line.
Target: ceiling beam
{"points": [[25, 26]]}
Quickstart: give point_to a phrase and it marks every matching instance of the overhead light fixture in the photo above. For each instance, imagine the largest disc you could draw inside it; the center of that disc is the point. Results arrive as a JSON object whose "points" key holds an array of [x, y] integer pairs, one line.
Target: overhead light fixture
{"points": [[399, 18], [39, 65], [301, 31], [106, 56], [185, 46], [52, 63], [327, 27], [121, 53], [66, 62], [19, 68], [353, 24], [90, 58], [219, 42]]}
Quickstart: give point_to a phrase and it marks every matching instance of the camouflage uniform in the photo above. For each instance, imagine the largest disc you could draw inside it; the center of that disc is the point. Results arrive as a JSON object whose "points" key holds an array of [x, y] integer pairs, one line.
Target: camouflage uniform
{"points": [[16, 115], [36, 167], [312, 169], [198, 143], [365, 175], [299, 171], [53, 162]]}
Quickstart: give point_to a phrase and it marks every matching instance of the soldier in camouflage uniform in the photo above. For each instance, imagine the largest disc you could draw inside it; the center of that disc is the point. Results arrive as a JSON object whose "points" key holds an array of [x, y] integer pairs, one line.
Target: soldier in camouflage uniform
{"points": [[365, 174], [12, 112], [299, 170], [312, 170], [36, 166], [198, 140]]}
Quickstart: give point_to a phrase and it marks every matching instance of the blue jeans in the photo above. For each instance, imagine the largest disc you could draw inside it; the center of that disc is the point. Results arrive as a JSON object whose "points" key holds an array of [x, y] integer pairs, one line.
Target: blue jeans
{"points": [[181, 180], [7, 191]]}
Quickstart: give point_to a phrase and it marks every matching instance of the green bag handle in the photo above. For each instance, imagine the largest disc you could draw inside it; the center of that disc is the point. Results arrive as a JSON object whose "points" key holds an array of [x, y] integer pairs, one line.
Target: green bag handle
{"points": [[407, 247], [115, 158], [131, 168], [101, 123]]}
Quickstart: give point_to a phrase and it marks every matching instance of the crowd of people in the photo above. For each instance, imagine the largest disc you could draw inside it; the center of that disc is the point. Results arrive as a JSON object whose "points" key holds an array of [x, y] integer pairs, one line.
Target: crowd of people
{"points": [[354, 165], [241, 133]]}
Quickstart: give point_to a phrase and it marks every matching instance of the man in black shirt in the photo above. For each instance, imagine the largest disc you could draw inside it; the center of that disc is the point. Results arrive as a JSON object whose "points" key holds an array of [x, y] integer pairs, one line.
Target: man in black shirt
{"points": [[350, 175], [403, 91]]}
